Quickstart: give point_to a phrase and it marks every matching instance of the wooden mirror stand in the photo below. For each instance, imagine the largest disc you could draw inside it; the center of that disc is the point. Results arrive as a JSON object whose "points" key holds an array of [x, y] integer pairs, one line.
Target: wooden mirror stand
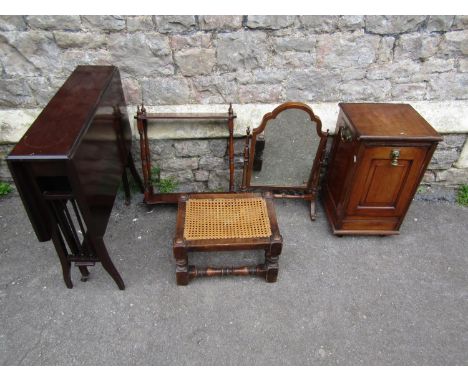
{"points": [[307, 189]]}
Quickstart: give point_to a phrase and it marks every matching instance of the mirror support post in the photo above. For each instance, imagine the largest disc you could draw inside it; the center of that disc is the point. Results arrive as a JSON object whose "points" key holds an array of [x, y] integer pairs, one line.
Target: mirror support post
{"points": [[246, 160], [231, 148]]}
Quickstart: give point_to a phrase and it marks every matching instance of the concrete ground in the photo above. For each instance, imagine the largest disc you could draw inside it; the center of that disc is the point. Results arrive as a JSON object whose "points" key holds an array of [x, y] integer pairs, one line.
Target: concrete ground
{"points": [[399, 300]]}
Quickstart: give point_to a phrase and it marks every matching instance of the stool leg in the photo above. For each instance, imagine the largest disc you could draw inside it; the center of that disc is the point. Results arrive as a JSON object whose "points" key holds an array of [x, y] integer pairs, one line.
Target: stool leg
{"points": [[271, 261], [271, 265], [182, 273]]}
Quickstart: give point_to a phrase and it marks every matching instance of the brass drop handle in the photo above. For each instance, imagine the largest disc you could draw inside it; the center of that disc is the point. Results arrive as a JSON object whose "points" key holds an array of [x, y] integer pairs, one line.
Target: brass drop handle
{"points": [[395, 155], [345, 134]]}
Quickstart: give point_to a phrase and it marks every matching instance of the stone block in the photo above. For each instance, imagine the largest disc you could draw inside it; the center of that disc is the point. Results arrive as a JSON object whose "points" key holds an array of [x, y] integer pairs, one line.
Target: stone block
{"points": [[260, 93], [353, 74], [191, 148], [398, 71], [436, 65], [438, 23], [142, 54], [443, 159], [460, 22], [312, 85], [15, 93], [452, 141], [177, 164], [161, 148], [106, 23], [218, 147], [453, 176], [409, 91], [454, 43], [262, 76], [365, 90], [197, 40], [386, 49], [416, 46], [218, 181], [242, 49], [12, 23], [239, 162], [15, 122], [220, 23], [345, 50], [182, 176], [296, 60], [63, 22], [393, 24], [79, 40], [462, 161], [43, 90], [191, 187], [216, 89], [463, 65], [201, 175], [73, 57], [175, 24], [29, 53], [294, 43], [331, 24], [350, 22], [448, 86], [195, 61], [166, 91], [212, 163], [132, 91], [270, 22], [429, 177], [140, 23], [319, 24], [239, 144]]}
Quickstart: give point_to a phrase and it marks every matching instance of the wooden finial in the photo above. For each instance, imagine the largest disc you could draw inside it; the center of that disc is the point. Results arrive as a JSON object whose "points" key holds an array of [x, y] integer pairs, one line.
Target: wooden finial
{"points": [[231, 112]]}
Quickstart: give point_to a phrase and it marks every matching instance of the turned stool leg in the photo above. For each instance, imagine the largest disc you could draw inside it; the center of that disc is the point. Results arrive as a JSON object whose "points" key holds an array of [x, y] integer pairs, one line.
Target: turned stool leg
{"points": [[182, 273], [271, 260]]}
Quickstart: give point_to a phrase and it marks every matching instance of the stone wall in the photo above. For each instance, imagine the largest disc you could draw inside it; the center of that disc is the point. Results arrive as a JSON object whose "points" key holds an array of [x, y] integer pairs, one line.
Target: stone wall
{"points": [[247, 60], [195, 165], [239, 59]]}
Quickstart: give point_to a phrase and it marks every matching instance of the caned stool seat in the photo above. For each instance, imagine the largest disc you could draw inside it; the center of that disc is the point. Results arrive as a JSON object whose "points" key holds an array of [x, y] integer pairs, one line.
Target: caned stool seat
{"points": [[226, 222]]}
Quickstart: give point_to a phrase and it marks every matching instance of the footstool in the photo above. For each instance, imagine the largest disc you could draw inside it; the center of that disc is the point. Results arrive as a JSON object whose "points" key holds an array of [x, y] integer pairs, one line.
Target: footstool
{"points": [[226, 222]]}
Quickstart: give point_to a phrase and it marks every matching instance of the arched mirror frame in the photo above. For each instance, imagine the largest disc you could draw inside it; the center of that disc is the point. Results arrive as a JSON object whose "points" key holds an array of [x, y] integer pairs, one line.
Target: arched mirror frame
{"points": [[307, 192]]}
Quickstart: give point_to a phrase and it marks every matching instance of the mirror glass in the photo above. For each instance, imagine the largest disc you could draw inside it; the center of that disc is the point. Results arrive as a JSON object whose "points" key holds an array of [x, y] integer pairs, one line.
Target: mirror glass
{"points": [[290, 143]]}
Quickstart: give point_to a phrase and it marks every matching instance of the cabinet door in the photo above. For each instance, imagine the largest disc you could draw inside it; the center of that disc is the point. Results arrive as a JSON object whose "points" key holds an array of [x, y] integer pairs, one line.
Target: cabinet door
{"points": [[385, 180]]}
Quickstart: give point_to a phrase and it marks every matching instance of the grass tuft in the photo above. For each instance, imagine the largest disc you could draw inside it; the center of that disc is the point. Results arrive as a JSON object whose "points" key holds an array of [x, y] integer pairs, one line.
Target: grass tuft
{"points": [[462, 196], [5, 188]]}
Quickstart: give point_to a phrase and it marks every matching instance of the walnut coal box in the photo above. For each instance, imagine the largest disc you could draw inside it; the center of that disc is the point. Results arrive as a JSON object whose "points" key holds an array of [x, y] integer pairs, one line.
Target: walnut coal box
{"points": [[378, 158]]}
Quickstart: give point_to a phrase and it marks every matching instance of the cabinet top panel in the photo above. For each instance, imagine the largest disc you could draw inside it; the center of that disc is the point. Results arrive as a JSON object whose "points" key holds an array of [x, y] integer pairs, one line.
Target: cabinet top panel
{"points": [[388, 121], [67, 115]]}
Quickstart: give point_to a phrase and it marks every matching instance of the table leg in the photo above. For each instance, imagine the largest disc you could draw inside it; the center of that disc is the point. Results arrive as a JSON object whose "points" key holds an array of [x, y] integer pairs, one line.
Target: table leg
{"points": [[103, 255], [62, 254], [84, 272]]}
